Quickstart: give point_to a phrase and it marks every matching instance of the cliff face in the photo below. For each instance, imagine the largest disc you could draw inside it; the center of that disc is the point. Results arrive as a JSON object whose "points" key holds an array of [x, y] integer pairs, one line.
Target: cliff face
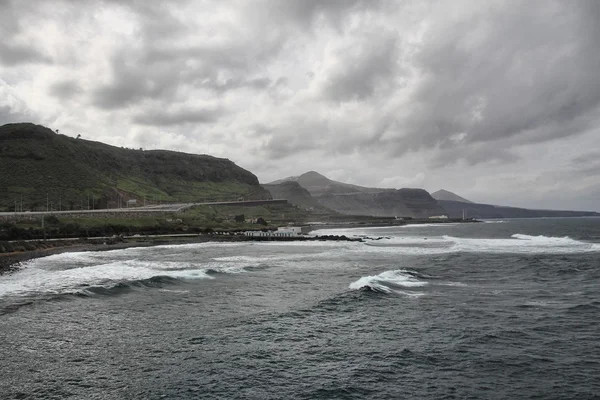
{"points": [[390, 203], [38, 164], [474, 210]]}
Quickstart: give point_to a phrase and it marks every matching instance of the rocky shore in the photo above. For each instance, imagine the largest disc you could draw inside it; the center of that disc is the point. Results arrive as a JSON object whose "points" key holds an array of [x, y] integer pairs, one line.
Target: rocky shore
{"points": [[10, 262]]}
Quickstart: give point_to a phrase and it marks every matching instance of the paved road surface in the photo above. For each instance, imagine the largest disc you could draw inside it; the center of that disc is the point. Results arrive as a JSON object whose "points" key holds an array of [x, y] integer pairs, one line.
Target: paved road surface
{"points": [[148, 209]]}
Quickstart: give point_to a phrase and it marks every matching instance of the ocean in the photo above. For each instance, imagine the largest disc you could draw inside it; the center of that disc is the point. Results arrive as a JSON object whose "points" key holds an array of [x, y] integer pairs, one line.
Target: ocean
{"points": [[500, 310]]}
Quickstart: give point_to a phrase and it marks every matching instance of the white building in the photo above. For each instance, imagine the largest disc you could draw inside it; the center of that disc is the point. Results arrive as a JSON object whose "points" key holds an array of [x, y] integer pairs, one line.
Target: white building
{"points": [[288, 231]]}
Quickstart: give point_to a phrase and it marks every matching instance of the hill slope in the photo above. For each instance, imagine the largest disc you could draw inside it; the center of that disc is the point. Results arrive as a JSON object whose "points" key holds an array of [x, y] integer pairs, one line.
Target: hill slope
{"points": [[389, 203], [294, 194], [475, 210], [446, 195], [351, 199], [39, 165], [318, 184]]}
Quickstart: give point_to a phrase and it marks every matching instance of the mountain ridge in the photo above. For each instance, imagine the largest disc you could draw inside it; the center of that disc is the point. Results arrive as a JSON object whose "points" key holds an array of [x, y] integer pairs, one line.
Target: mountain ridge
{"points": [[350, 199]]}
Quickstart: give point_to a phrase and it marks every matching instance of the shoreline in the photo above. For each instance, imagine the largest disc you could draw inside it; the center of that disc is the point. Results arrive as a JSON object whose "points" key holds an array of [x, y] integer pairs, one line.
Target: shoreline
{"points": [[11, 262]]}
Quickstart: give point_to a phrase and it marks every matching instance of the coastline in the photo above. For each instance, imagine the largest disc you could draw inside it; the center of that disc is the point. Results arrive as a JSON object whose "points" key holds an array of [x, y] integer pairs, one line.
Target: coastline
{"points": [[11, 262]]}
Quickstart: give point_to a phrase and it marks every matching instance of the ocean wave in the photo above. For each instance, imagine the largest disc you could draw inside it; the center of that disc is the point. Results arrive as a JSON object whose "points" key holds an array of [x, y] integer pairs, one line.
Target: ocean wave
{"points": [[429, 225], [390, 282], [39, 277], [520, 243], [546, 239], [516, 244]]}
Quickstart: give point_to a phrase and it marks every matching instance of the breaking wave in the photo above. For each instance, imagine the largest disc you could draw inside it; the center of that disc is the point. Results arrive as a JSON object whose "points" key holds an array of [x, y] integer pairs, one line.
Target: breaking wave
{"points": [[390, 282], [516, 244], [96, 272]]}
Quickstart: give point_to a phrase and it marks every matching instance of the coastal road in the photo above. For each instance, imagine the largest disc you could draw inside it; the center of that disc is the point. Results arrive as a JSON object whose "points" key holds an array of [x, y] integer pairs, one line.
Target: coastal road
{"points": [[162, 208]]}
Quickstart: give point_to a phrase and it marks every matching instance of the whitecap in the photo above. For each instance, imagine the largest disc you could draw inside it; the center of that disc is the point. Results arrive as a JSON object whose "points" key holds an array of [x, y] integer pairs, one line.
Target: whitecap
{"points": [[388, 282]]}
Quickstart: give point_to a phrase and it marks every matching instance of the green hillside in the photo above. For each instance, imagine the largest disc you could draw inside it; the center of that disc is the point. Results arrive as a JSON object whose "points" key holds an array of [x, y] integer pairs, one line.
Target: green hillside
{"points": [[39, 167]]}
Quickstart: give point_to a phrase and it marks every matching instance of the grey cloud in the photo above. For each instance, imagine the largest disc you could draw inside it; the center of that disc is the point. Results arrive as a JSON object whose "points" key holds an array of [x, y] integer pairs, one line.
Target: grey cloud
{"points": [[10, 115], [12, 51], [236, 83], [518, 74], [64, 89], [366, 67], [165, 118], [14, 54], [488, 153], [592, 157], [133, 81], [303, 13], [290, 138], [161, 64]]}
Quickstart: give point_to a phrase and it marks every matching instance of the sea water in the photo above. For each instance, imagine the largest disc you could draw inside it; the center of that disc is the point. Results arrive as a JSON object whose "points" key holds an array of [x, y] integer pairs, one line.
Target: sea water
{"points": [[509, 309]]}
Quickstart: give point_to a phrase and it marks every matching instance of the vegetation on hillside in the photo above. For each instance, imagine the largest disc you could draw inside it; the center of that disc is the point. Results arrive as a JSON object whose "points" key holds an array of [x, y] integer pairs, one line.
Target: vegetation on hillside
{"points": [[42, 169], [199, 219]]}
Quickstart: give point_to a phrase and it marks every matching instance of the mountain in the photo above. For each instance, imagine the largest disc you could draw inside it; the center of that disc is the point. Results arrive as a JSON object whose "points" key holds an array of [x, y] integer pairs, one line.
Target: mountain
{"points": [[351, 199], [446, 195], [294, 194], [474, 210], [318, 184], [40, 166], [389, 203]]}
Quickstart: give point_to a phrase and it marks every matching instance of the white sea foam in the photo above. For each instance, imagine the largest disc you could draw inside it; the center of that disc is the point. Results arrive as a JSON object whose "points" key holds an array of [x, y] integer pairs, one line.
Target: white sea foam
{"points": [[516, 244], [565, 240], [37, 278], [442, 225], [519, 243], [388, 281]]}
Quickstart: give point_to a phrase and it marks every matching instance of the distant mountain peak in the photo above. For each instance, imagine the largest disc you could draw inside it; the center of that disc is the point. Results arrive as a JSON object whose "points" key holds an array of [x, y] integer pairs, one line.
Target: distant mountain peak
{"points": [[447, 195], [313, 174]]}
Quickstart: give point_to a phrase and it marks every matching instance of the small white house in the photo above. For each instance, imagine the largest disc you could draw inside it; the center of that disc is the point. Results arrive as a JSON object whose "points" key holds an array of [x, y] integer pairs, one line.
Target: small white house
{"points": [[290, 230], [438, 217]]}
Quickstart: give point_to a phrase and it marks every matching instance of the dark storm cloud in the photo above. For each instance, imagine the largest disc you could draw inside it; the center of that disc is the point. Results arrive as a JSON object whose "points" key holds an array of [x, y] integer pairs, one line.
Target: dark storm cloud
{"points": [[164, 118], [509, 75]]}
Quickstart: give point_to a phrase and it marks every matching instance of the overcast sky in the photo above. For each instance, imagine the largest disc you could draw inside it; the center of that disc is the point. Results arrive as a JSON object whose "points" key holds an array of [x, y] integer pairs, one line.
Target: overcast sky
{"points": [[498, 101]]}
